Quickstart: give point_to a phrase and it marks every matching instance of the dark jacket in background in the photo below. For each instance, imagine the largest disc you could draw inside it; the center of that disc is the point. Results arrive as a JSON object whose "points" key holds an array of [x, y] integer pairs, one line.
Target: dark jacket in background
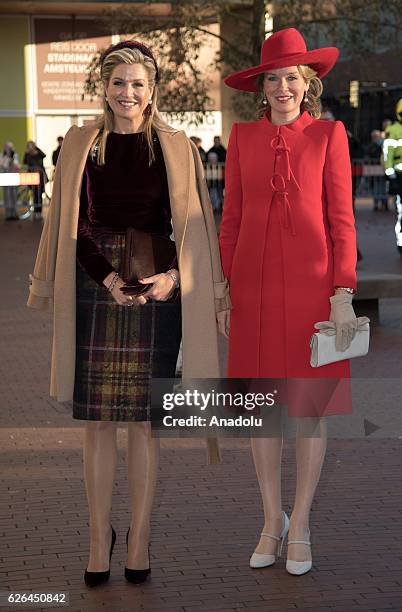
{"points": [[55, 155], [373, 151], [220, 151]]}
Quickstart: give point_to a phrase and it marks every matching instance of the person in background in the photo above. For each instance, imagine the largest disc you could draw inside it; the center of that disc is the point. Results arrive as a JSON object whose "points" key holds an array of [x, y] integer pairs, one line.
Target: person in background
{"points": [[355, 153], [373, 151], [213, 176], [392, 155], [355, 148], [9, 163], [56, 152], [327, 114], [197, 141], [385, 124], [33, 159], [219, 149]]}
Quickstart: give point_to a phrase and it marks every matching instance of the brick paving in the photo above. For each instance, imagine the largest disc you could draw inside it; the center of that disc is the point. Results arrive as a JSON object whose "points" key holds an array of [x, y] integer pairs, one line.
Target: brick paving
{"points": [[206, 519]]}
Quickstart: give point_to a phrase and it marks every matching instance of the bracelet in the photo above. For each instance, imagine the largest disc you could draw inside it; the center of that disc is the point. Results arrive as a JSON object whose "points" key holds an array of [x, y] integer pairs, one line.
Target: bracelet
{"points": [[113, 281], [347, 289], [174, 277]]}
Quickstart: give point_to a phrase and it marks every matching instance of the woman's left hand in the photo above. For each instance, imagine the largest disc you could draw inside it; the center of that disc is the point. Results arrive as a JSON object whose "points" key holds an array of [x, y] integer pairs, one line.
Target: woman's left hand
{"points": [[162, 286], [344, 317]]}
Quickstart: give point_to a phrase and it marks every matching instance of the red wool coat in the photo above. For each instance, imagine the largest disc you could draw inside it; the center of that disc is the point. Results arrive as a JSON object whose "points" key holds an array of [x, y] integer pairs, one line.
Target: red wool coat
{"points": [[287, 237]]}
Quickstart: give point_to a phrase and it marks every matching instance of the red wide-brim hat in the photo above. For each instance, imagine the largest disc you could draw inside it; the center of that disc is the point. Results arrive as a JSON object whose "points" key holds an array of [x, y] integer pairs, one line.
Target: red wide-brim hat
{"points": [[284, 48]]}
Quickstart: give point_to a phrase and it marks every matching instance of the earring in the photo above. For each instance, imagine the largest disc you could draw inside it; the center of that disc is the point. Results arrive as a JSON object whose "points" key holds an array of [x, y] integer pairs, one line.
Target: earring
{"points": [[264, 101], [150, 101]]}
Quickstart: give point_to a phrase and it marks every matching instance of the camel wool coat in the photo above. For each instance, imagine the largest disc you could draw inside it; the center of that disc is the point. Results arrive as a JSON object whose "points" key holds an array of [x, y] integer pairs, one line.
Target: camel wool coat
{"points": [[287, 238], [204, 291]]}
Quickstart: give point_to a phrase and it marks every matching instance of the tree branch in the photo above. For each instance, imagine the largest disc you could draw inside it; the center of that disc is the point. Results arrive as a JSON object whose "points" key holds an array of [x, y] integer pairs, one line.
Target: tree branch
{"points": [[347, 18]]}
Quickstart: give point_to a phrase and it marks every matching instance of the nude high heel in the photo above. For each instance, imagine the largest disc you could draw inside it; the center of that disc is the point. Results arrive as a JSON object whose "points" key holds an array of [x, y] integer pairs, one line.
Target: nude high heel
{"points": [[259, 560], [297, 568]]}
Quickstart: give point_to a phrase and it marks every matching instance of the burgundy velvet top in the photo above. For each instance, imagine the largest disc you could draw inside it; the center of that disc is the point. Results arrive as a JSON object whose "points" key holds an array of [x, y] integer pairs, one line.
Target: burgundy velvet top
{"points": [[125, 192]]}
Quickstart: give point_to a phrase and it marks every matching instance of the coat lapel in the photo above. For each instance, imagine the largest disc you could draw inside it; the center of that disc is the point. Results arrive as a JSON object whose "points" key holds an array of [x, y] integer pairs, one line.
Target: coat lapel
{"points": [[72, 172], [176, 153]]}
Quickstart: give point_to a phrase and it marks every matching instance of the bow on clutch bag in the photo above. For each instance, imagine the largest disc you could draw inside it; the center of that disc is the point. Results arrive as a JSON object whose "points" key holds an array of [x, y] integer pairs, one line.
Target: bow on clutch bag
{"points": [[322, 343]]}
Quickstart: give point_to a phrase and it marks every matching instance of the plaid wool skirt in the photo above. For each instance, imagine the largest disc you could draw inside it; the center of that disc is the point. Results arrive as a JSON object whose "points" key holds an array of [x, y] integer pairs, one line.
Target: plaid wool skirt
{"points": [[119, 349]]}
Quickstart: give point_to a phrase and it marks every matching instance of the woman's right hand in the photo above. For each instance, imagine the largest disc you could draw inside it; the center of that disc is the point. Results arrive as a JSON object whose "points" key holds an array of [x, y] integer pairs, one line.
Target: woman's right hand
{"points": [[121, 298], [223, 319]]}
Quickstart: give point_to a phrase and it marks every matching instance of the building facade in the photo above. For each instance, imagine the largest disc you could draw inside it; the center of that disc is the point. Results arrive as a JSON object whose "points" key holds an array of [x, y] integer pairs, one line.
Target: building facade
{"points": [[46, 48]]}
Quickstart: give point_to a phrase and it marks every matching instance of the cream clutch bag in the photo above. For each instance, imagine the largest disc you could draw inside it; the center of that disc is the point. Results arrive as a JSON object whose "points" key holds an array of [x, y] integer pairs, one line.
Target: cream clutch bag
{"points": [[323, 349]]}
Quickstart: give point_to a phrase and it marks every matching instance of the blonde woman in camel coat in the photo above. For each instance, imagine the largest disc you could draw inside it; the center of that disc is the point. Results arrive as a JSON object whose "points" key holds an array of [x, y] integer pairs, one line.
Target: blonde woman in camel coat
{"points": [[129, 69]]}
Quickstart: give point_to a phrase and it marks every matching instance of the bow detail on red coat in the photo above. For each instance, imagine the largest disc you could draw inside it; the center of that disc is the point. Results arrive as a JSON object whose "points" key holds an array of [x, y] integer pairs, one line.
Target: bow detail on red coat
{"points": [[279, 181], [280, 189]]}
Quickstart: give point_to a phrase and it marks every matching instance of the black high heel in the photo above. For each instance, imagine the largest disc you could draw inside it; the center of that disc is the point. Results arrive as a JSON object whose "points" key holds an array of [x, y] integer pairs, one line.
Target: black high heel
{"points": [[133, 575], [93, 579]]}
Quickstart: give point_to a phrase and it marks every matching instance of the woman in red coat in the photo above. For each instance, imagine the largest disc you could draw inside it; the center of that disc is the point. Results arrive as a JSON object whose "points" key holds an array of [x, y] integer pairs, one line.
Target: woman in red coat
{"points": [[288, 248]]}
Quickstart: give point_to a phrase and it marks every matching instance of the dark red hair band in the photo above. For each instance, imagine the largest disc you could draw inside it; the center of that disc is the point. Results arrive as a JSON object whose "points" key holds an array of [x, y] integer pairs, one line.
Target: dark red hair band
{"points": [[131, 44]]}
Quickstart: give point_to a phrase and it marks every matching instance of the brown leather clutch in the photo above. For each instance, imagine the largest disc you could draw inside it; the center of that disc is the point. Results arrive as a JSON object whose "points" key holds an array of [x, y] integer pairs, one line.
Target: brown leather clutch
{"points": [[145, 255]]}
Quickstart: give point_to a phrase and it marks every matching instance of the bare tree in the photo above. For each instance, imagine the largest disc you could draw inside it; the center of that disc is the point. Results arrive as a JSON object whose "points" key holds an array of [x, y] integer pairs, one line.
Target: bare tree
{"points": [[176, 38], [357, 26]]}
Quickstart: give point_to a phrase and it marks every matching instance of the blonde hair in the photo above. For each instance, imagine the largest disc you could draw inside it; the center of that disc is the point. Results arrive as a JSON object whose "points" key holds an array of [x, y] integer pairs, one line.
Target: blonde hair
{"points": [[311, 102], [152, 118]]}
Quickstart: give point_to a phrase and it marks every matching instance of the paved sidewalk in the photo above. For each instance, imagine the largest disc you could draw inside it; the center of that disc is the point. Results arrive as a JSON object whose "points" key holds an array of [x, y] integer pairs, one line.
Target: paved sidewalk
{"points": [[206, 519]]}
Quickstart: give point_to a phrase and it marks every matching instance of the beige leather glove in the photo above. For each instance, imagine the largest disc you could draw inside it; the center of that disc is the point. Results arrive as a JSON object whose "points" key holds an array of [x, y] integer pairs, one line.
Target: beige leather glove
{"points": [[343, 315]]}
